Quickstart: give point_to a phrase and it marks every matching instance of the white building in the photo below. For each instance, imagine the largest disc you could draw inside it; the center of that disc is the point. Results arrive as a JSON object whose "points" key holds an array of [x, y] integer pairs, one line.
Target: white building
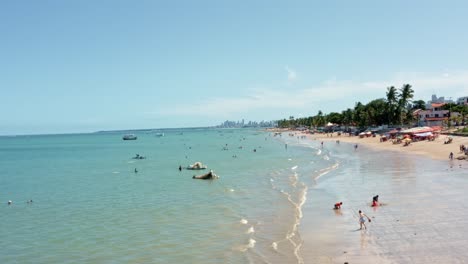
{"points": [[433, 116]]}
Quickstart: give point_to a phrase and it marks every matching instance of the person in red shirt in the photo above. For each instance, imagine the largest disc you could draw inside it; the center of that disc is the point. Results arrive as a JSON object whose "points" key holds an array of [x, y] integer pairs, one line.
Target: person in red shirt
{"points": [[338, 205]]}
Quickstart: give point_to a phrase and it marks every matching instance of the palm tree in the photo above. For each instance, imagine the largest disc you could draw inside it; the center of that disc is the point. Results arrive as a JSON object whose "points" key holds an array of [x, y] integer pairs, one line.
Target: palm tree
{"points": [[391, 103], [405, 96]]}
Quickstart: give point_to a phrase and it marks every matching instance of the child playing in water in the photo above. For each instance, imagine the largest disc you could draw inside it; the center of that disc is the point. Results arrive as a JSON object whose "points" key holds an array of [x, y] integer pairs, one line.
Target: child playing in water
{"points": [[362, 220]]}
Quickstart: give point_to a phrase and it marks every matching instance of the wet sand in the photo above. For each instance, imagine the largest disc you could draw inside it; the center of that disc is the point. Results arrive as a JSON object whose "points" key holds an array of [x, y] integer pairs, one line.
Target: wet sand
{"points": [[425, 216]]}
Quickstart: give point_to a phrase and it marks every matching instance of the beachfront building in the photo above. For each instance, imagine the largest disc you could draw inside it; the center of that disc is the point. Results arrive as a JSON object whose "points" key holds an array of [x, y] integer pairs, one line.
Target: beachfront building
{"points": [[435, 115], [462, 100]]}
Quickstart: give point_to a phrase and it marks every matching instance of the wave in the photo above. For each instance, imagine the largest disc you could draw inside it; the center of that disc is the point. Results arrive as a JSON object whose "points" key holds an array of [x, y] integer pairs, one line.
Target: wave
{"points": [[250, 244], [326, 170], [292, 233]]}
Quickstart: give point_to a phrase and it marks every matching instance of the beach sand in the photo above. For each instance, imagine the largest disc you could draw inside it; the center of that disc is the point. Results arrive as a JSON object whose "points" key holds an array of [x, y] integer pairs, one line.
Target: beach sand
{"points": [[424, 218], [433, 149]]}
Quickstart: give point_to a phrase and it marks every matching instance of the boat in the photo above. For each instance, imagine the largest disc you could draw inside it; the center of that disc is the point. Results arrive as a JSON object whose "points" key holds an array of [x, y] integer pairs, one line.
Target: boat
{"points": [[159, 134], [197, 166], [129, 137], [207, 176]]}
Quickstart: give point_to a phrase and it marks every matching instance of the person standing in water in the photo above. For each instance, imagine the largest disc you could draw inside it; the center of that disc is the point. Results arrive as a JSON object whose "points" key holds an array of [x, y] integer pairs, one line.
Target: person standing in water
{"points": [[180, 167], [362, 220]]}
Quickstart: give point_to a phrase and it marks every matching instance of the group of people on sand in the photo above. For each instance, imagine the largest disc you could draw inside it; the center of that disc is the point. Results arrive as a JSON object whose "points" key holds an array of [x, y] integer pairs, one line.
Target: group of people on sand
{"points": [[362, 216]]}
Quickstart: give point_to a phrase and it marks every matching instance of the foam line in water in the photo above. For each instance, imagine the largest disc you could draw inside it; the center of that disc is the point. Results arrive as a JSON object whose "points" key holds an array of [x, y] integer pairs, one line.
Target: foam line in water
{"points": [[251, 243], [293, 168], [326, 170], [244, 221], [116, 172], [291, 234], [251, 230], [319, 152], [294, 179]]}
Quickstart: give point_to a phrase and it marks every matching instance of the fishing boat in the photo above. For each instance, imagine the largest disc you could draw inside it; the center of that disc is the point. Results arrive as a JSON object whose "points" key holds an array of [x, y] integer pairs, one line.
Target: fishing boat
{"points": [[129, 137]]}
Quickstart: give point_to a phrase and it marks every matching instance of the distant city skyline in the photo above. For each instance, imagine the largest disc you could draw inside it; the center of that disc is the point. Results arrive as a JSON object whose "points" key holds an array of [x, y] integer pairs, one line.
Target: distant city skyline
{"points": [[88, 66]]}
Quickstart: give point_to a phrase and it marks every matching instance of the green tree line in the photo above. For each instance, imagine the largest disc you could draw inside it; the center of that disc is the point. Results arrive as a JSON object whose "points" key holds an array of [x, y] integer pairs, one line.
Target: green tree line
{"points": [[395, 109]]}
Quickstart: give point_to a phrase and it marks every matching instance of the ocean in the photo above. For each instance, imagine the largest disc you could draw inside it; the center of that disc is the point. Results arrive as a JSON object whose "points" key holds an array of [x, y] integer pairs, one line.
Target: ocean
{"points": [[90, 206]]}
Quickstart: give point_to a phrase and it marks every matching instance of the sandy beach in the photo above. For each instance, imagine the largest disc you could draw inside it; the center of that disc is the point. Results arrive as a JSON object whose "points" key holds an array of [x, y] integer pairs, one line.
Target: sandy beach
{"points": [[433, 149], [423, 218]]}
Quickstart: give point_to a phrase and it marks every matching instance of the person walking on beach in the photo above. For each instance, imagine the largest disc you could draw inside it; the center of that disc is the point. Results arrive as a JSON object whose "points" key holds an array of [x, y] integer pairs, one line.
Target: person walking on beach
{"points": [[362, 220], [451, 156], [355, 147]]}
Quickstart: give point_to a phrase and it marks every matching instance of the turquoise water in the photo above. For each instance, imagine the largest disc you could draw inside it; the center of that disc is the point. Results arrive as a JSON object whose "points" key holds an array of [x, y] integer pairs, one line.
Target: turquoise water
{"points": [[271, 205], [90, 206]]}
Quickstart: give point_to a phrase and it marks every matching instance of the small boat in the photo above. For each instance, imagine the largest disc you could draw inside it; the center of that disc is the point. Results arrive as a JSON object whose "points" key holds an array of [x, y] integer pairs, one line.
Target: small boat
{"points": [[159, 134], [207, 176], [197, 166], [129, 137]]}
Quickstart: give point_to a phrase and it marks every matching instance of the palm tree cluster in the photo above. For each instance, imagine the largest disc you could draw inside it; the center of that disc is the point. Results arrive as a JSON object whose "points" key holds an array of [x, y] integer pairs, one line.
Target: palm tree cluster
{"points": [[396, 109]]}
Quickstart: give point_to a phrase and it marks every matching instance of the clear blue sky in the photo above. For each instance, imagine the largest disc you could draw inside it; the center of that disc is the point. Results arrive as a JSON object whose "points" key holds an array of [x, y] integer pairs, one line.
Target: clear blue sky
{"points": [[82, 66]]}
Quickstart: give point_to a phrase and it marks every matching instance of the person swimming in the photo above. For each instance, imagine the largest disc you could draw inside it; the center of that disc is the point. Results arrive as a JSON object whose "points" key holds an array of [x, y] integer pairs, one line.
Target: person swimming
{"points": [[375, 201]]}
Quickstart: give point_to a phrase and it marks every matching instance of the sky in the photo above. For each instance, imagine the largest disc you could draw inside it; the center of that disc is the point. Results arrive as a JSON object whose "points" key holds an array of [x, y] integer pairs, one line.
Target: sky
{"points": [[84, 66]]}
